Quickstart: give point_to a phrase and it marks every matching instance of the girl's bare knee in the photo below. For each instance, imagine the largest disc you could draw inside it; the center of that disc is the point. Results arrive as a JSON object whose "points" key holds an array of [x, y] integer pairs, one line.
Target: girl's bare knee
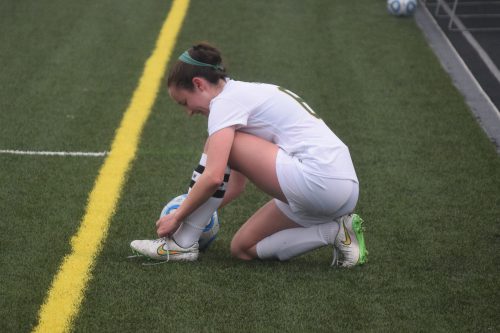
{"points": [[239, 251]]}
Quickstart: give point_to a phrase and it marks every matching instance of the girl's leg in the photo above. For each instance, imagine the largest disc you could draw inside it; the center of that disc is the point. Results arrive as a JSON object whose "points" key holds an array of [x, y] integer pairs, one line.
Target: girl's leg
{"points": [[266, 221], [257, 158], [269, 233], [192, 227]]}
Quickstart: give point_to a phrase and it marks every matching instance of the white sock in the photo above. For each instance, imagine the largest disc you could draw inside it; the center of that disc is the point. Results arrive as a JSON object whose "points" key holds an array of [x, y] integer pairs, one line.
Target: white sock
{"points": [[191, 228], [290, 243]]}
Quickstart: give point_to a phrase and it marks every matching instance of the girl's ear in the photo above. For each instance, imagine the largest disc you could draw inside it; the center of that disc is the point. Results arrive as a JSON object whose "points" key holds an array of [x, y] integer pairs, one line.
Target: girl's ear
{"points": [[199, 83]]}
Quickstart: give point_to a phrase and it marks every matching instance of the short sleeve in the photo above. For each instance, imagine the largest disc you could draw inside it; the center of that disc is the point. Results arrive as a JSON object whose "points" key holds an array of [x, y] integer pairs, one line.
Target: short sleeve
{"points": [[225, 113]]}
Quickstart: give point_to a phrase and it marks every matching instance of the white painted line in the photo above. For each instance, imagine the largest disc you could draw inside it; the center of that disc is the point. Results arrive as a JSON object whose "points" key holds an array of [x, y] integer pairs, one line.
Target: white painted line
{"points": [[54, 153]]}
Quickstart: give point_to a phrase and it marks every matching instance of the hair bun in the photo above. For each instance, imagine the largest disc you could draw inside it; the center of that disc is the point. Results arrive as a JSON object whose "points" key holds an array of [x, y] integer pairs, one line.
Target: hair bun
{"points": [[206, 53], [182, 73]]}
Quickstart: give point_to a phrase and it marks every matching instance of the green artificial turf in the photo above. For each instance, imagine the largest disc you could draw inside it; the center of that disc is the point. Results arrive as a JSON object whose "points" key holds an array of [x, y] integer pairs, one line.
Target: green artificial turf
{"points": [[430, 179], [68, 71]]}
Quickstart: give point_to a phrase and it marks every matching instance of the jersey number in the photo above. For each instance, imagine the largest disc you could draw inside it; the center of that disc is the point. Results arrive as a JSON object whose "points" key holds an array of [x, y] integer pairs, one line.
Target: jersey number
{"points": [[301, 101]]}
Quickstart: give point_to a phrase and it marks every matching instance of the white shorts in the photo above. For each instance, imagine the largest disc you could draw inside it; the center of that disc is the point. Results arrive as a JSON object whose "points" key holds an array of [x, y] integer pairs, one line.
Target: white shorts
{"points": [[312, 199]]}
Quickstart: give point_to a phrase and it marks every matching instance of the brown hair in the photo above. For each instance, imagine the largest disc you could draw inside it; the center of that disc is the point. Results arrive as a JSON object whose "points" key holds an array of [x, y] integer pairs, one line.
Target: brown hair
{"points": [[181, 74]]}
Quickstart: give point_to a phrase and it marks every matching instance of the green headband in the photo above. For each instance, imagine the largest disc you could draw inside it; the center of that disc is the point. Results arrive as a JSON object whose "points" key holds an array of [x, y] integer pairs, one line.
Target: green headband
{"points": [[186, 58]]}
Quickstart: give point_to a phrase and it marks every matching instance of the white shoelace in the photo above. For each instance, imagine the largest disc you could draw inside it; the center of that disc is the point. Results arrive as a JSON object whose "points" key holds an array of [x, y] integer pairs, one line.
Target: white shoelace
{"points": [[335, 257]]}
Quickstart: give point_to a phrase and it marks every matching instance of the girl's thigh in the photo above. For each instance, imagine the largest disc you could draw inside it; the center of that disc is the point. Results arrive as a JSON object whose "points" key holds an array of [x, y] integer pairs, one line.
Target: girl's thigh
{"points": [[256, 159]]}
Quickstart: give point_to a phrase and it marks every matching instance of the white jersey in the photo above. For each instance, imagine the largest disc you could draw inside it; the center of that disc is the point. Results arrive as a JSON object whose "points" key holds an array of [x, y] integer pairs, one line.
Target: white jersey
{"points": [[281, 117]]}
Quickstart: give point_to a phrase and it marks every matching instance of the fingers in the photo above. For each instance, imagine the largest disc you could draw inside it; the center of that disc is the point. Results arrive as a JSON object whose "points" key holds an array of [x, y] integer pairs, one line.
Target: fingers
{"points": [[166, 230], [161, 233], [166, 225], [160, 230], [162, 219], [161, 225]]}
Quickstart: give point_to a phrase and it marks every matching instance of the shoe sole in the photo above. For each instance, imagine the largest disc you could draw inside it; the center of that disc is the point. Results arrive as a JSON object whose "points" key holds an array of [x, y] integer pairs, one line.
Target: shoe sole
{"points": [[357, 227]]}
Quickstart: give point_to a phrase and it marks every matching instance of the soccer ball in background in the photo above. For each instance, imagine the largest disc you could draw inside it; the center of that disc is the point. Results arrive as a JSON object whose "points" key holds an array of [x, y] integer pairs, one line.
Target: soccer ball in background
{"points": [[402, 7], [209, 232]]}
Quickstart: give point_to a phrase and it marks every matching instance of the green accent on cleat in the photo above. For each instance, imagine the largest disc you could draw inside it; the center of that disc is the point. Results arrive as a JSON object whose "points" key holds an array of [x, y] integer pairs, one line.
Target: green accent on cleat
{"points": [[357, 226]]}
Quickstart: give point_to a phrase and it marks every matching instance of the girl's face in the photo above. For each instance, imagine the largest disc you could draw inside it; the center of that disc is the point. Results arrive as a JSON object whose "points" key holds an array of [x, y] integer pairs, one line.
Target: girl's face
{"points": [[198, 100]]}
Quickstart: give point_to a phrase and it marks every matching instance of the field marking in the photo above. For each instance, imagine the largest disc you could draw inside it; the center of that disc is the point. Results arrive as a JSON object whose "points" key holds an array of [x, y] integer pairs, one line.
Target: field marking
{"points": [[67, 290], [53, 153]]}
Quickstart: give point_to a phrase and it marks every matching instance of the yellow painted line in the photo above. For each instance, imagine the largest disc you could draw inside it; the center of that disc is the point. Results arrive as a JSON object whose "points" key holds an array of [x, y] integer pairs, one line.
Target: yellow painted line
{"points": [[67, 291]]}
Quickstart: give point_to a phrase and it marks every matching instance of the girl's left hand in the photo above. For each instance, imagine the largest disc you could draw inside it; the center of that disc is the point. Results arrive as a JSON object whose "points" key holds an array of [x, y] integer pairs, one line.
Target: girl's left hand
{"points": [[167, 225]]}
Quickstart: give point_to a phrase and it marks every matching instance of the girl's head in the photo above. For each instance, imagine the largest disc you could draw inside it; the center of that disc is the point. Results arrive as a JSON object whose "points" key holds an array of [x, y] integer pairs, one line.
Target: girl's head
{"points": [[202, 60], [197, 78]]}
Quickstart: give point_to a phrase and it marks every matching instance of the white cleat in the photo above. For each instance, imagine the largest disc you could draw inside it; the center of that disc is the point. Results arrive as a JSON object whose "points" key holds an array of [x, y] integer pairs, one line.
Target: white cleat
{"points": [[164, 249], [350, 242]]}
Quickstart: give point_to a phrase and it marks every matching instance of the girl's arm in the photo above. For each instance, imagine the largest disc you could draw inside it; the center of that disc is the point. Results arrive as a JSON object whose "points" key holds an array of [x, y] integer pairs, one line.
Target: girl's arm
{"points": [[218, 149]]}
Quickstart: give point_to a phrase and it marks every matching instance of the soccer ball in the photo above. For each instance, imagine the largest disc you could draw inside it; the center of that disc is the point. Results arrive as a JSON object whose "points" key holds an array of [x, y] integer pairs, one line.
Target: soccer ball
{"points": [[401, 7], [209, 232]]}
